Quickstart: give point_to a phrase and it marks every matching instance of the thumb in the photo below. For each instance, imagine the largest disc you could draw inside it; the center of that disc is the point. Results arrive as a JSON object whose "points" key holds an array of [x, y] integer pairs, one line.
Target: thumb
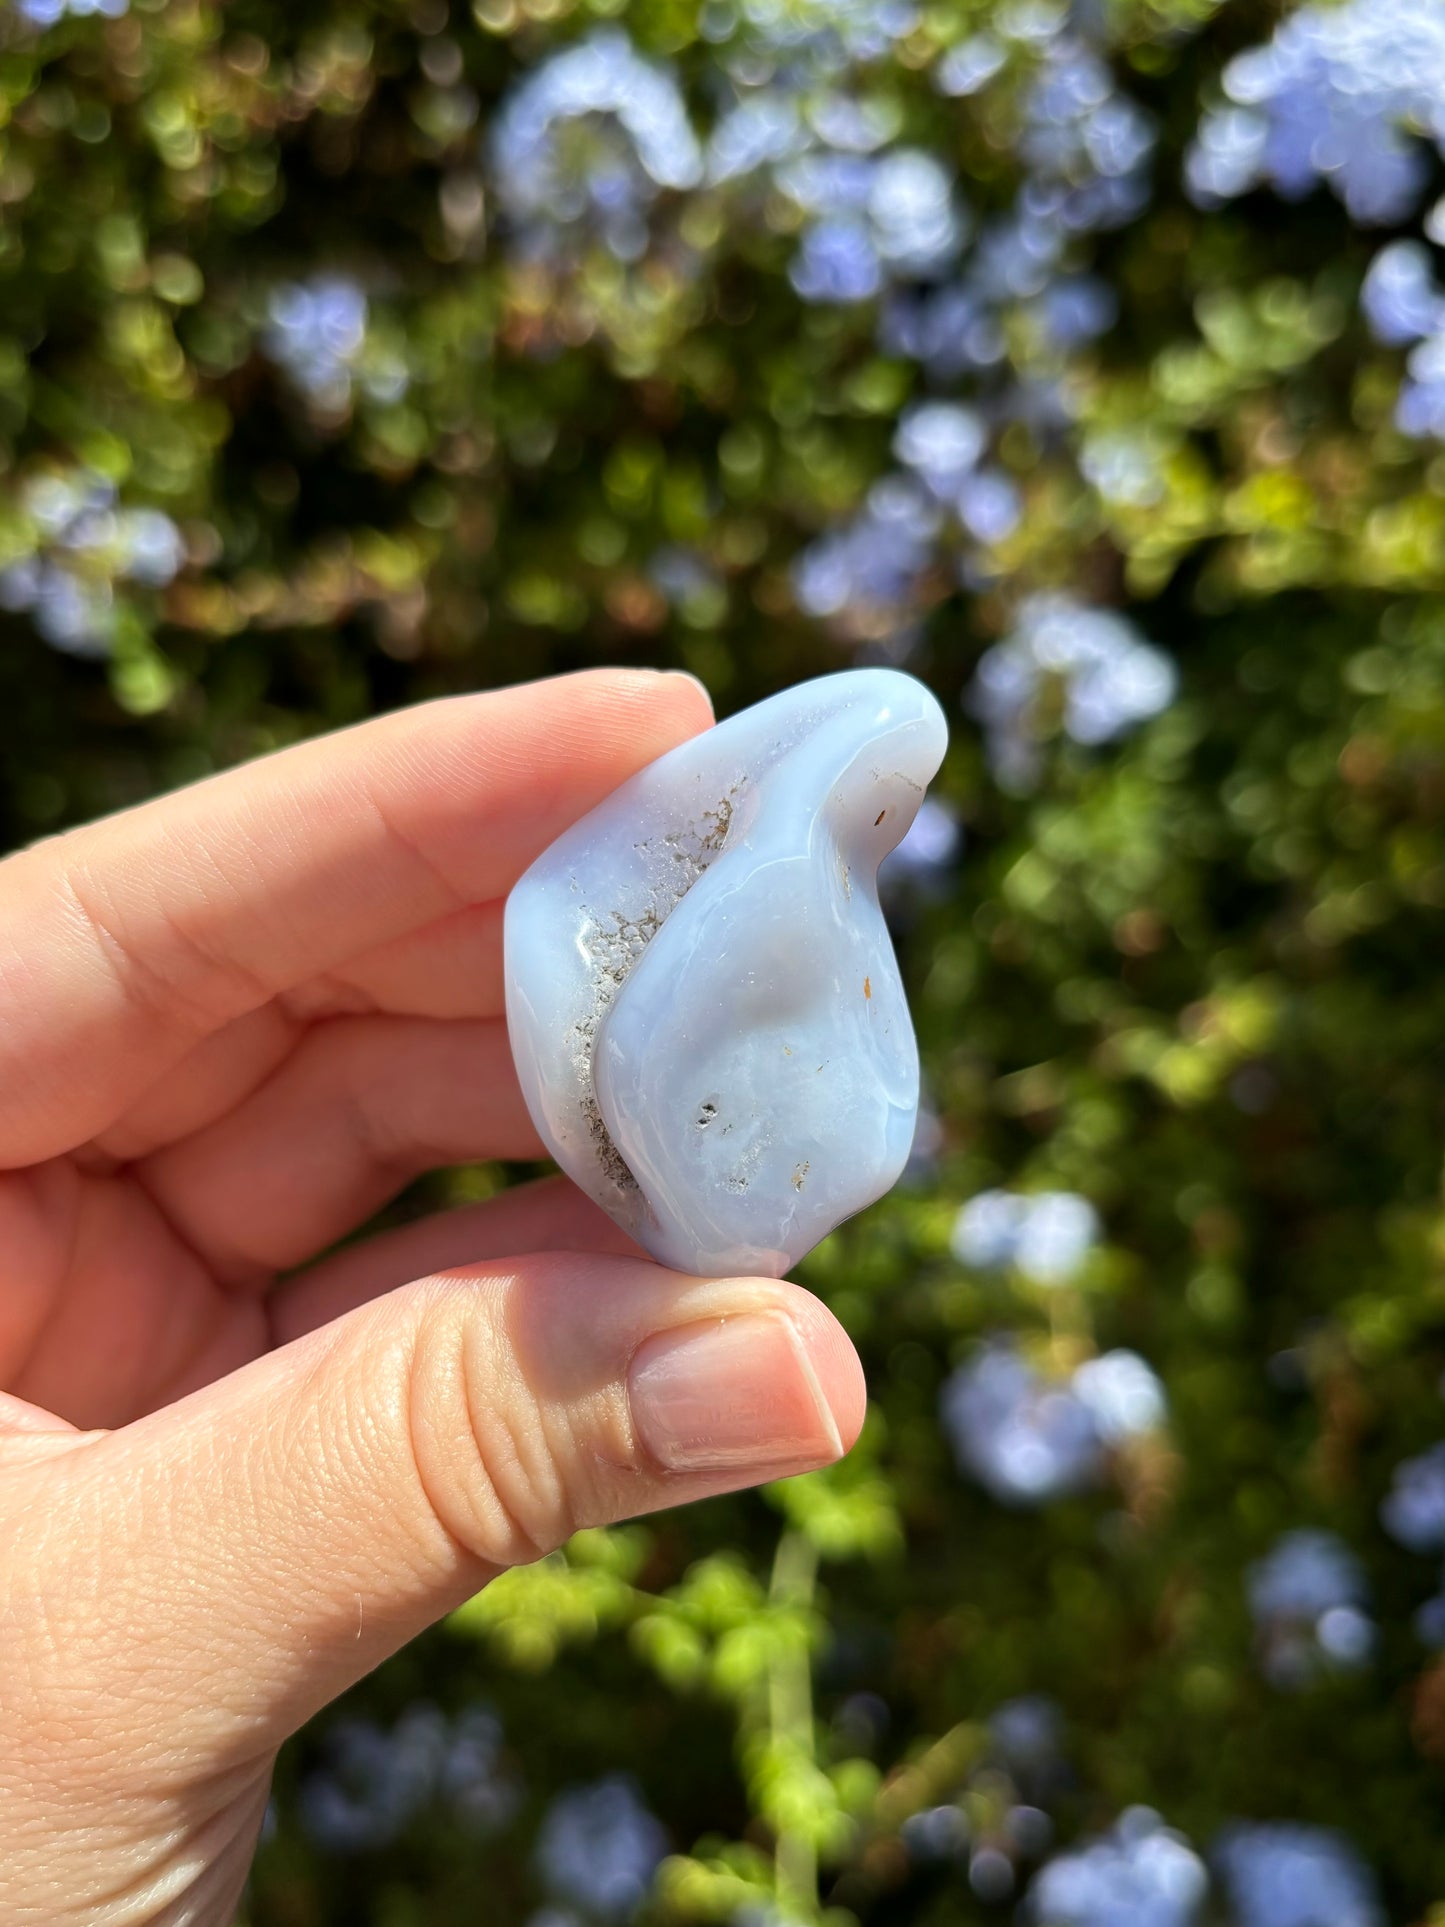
{"points": [[229, 1564]]}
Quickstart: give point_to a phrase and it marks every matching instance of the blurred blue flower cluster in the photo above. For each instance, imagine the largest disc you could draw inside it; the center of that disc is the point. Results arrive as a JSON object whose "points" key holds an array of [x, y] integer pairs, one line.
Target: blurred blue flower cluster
{"points": [[872, 212], [1029, 1438], [1268, 1874], [1349, 96], [597, 1846], [1340, 95], [1280, 1875], [865, 577], [598, 1849], [1413, 1512], [79, 543], [316, 331], [1404, 306], [1087, 671], [376, 1781], [1085, 149], [45, 13], [1307, 1598], [831, 33], [1047, 1235], [1140, 1874], [587, 140]]}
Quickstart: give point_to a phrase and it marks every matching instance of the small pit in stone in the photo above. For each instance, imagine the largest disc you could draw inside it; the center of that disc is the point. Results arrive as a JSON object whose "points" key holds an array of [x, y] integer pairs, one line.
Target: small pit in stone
{"points": [[705, 1114]]}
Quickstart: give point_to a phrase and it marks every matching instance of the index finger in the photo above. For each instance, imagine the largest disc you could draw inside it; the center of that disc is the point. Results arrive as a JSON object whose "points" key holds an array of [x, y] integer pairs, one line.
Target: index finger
{"points": [[125, 943]]}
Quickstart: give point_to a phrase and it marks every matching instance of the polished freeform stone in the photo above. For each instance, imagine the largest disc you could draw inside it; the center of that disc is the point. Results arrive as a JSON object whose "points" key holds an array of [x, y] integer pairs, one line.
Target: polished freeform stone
{"points": [[704, 1006]]}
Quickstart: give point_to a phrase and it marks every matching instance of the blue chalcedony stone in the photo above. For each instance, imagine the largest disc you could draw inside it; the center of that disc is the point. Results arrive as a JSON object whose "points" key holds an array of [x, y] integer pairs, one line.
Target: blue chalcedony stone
{"points": [[704, 1006]]}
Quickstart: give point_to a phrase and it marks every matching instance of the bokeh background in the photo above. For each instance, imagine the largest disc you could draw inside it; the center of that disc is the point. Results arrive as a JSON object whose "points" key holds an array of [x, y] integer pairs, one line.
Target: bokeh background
{"points": [[1088, 360]]}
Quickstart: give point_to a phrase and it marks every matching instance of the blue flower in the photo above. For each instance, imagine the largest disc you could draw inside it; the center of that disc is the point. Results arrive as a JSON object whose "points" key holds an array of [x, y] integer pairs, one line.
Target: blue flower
{"points": [[852, 126], [1279, 1874], [1335, 97], [832, 31], [1413, 1511], [951, 331], [1227, 157], [1307, 1598], [1077, 308], [316, 331], [865, 576], [1083, 135], [763, 128], [916, 226], [837, 261], [967, 67], [45, 13], [1141, 1874], [941, 442], [1429, 1620], [1027, 1732], [988, 505], [1421, 407], [85, 543], [599, 1847], [1109, 678], [1045, 1234], [876, 216], [1026, 1439], [375, 1781], [1400, 298], [73, 614], [593, 135], [1122, 1393]]}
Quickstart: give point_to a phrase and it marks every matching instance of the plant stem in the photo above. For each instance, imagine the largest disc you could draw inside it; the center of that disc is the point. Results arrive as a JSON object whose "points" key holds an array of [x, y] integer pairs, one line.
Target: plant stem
{"points": [[790, 1717]]}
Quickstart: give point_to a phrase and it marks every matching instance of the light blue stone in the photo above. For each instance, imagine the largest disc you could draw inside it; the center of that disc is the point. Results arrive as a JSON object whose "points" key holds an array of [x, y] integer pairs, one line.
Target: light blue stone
{"points": [[705, 1009]]}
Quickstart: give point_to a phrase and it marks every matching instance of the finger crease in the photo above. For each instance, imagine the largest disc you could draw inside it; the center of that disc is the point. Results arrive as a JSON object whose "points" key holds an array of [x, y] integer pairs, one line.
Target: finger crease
{"points": [[454, 898], [160, 993]]}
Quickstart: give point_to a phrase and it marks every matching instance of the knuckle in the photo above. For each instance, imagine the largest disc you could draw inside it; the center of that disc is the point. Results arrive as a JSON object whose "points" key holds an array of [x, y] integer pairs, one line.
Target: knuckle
{"points": [[493, 1469]]}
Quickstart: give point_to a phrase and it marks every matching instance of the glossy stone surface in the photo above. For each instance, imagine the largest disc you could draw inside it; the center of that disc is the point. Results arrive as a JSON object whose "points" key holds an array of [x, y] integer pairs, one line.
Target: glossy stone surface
{"points": [[704, 1006]]}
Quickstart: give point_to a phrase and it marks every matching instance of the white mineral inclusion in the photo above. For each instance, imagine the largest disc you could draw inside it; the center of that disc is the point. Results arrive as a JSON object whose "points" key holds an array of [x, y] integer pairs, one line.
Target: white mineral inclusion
{"points": [[704, 1006]]}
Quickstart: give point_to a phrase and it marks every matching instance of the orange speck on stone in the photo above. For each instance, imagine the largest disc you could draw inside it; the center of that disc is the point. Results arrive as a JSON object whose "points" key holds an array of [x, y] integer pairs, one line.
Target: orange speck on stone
{"points": [[868, 987]]}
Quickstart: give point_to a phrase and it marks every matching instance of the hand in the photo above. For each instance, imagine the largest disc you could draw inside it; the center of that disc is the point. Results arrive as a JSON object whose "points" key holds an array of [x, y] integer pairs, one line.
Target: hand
{"points": [[232, 1024]]}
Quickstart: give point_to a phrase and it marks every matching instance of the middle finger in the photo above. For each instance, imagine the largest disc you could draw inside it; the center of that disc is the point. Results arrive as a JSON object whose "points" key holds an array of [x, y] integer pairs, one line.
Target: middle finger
{"points": [[449, 968], [361, 1107]]}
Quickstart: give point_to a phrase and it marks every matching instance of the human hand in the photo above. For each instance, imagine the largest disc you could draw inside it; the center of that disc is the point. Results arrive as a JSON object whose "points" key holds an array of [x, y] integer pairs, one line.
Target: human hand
{"points": [[232, 1024]]}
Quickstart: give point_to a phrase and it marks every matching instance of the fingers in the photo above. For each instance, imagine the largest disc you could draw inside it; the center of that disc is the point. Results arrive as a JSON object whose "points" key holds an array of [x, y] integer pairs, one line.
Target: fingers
{"points": [[217, 1075], [550, 1215], [361, 1106], [451, 968], [125, 944], [103, 1306], [261, 1545]]}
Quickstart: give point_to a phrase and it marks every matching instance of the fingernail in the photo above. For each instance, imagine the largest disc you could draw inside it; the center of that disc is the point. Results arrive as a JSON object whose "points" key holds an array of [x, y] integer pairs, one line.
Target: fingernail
{"points": [[732, 1395]]}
